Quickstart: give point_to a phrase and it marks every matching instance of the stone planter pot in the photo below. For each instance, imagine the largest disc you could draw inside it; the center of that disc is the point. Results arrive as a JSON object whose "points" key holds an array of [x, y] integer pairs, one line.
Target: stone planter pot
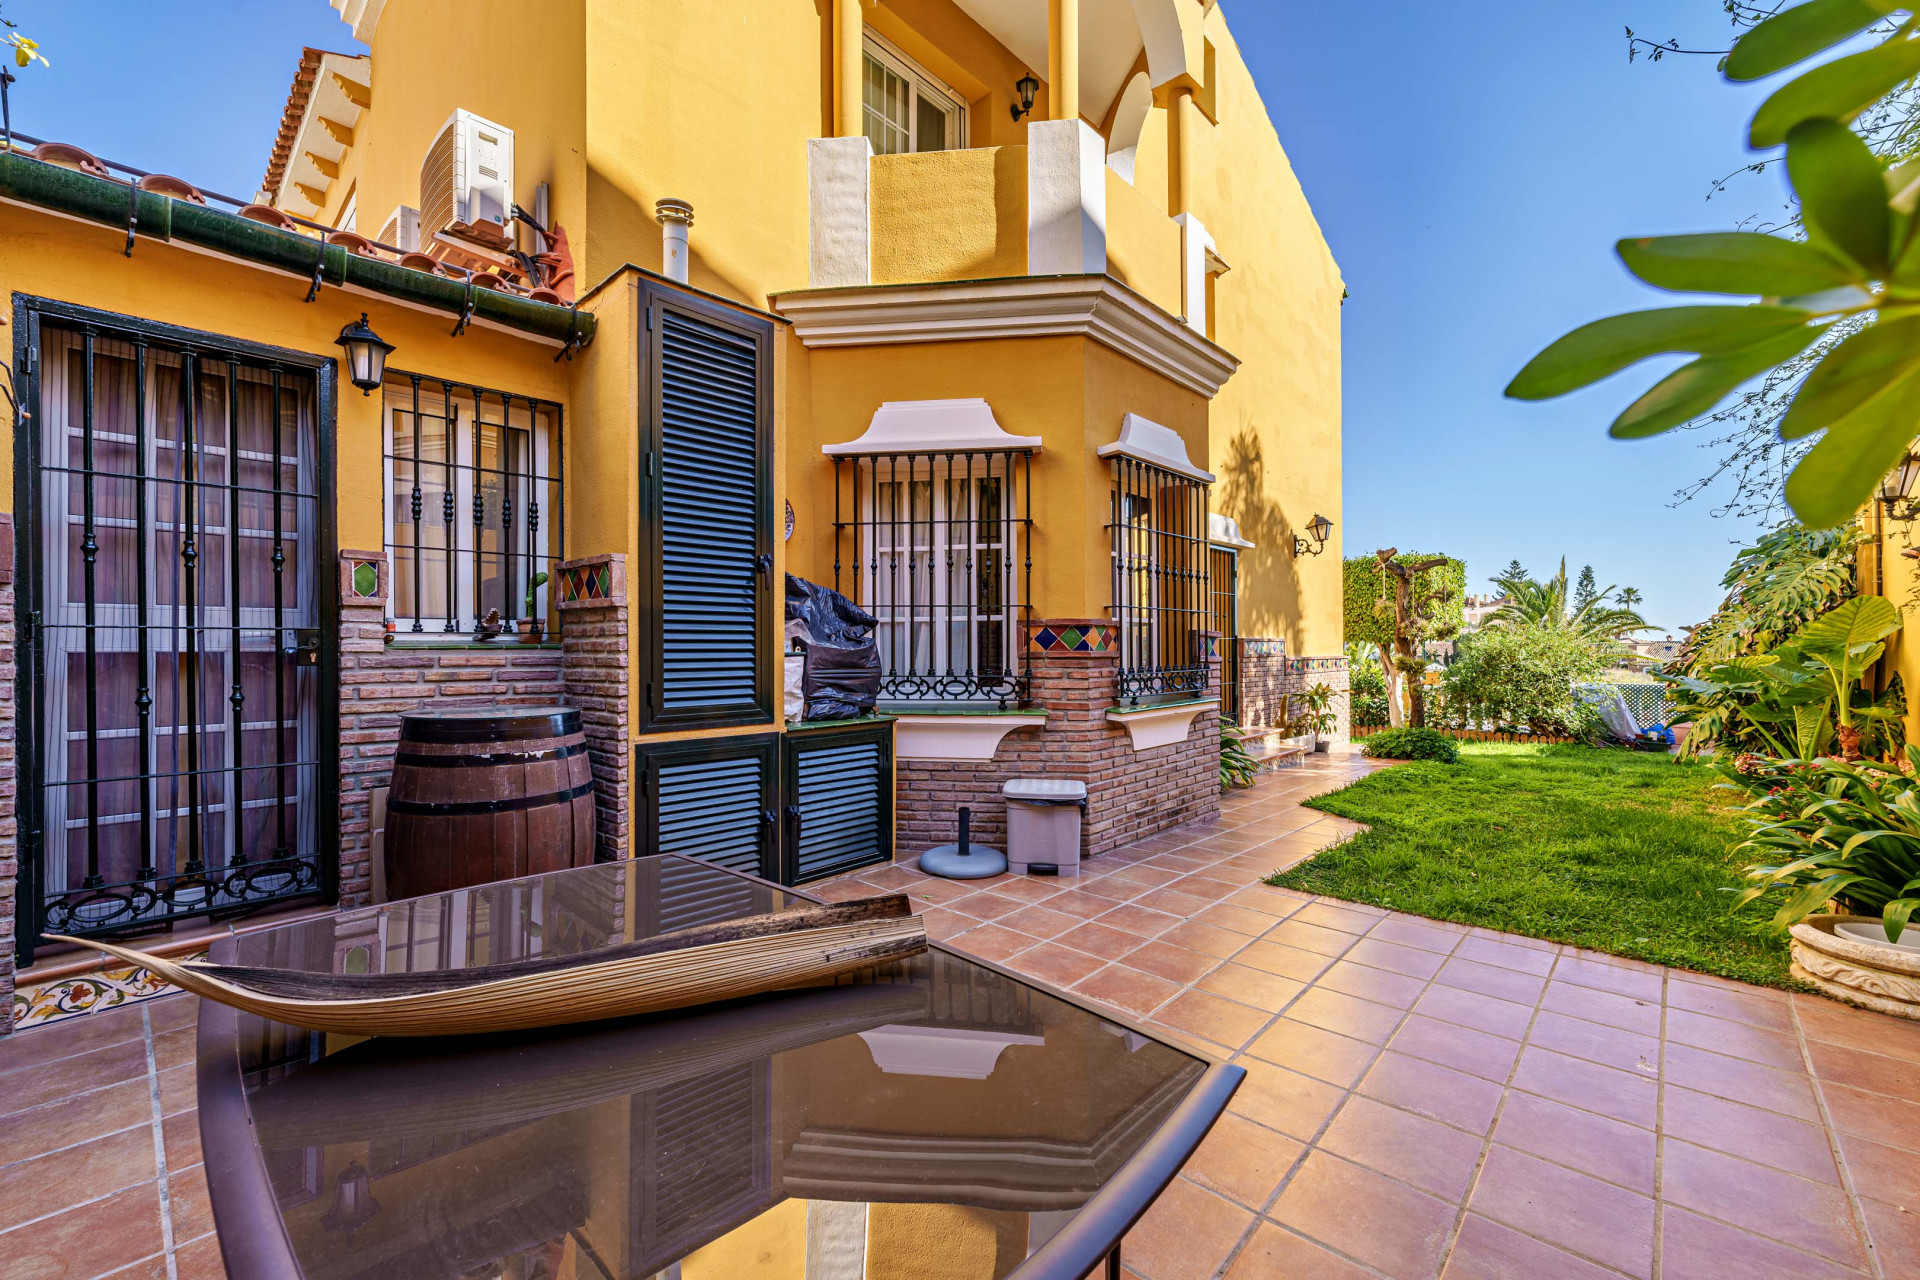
{"points": [[1873, 975]]}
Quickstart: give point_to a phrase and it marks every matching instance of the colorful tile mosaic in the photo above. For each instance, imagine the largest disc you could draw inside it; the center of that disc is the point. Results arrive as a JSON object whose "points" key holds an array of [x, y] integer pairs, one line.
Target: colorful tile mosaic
{"points": [[1263, 648], [593, 581], [363, 578], [85, 993], [1304, 665], [1088, 639]]}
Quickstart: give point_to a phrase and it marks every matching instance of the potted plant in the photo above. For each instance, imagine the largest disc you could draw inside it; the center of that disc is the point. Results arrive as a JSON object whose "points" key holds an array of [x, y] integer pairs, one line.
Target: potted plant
{"points": [[531, 629], [1319, 720]]}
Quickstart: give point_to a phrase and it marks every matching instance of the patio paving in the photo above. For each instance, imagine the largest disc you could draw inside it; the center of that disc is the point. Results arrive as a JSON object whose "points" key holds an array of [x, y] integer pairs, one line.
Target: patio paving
{"points": [[1422, 1099], [1425, 1100]]}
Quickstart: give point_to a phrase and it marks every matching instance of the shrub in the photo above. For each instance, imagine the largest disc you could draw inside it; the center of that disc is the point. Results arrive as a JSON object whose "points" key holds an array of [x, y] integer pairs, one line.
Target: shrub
{"points": [[1412, 744], [1238, 768], [1523, 676], [1367, 687]]}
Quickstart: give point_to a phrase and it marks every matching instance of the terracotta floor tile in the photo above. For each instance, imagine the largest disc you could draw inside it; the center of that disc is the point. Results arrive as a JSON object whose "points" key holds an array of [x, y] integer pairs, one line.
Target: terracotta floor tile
{"points": [[1136, 919], [993, 942], [1279, 902], [1040, 922], [182, 1136], [1129, 989], [1463, 1049], [47, 1184], [1183, 862], [1764, 1137], [1415, 933], [1345, 1015], [1507, 955], [1570, 1210], [1381, 986], [1296, 932], [38, 1130], [1148, 878], [943, 924], [1186, 1235], [35, 1045], [1294, 1104], [1858, 1069], [1240, 919], [173, 1048], [1806, 1215], [1209, 885], [1081, 905], [1097, 939], [1634, 983], [1485, 1250], [1393, 1228], [1274, 1253], [1470, 1009], [1622, 1095], [1176, 964], [841, 890], [1458, 1099], [1256, 987], [1031, 889], [168, 1013], [1607, 1149], [1788, 1092], [152, 1267], [200, 1259], [987, 905], [1725, 1002], [1243, 1161], [1737, 1039], [81, 1073], [189, 1204], [179, 1090], [1059, 965], [1346, 919], [1221, 1021], [1596, 1042], [1429, 1155], [1491, 980], [1824, 1019], [90, 1240], [1288, 962], [1210, 939], [1396, 958], [1106, 887], [1626, 1012], [1173, 902], [1882, 1172], [1337, 1059], [1895, 1231], [1692, 1248]]}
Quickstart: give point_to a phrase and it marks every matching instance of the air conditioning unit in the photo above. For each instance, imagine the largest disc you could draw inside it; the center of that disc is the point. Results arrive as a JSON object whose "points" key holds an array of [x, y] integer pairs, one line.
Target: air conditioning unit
{"points": [[467, 180], [402, 230]]}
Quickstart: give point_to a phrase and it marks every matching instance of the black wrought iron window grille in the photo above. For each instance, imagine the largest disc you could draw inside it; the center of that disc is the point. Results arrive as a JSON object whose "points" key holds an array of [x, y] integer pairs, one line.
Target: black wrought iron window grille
{"points": [[1226, 621], [939, 548], [473, 505], [1162, 601], [176, 553]]}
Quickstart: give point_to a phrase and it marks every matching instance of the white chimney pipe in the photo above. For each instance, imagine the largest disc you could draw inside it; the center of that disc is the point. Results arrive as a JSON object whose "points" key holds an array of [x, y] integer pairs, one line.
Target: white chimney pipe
{"points": [[675, 216]]}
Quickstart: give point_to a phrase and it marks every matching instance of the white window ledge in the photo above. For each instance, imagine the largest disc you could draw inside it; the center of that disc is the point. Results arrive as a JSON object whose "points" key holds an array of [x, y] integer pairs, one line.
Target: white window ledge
{"points": [[959, 735], [1163, 726]]}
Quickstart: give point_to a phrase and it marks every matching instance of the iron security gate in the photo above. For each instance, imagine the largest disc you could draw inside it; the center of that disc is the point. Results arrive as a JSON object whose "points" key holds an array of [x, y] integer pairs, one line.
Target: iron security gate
{"points": [[1225, 579], [171, 657]]}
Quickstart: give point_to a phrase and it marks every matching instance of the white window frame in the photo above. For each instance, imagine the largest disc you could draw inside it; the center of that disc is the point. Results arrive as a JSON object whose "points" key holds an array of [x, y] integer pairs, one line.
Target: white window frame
{"points": [[923, 83]]}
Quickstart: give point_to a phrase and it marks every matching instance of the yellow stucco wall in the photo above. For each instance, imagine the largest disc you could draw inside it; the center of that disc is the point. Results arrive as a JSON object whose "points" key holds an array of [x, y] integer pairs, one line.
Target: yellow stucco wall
{"points": [[949, 215], [1143, 244]]}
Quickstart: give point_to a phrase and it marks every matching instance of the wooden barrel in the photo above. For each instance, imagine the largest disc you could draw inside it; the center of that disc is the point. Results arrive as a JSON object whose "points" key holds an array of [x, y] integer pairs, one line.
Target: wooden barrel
{"points": [[485, 794]]}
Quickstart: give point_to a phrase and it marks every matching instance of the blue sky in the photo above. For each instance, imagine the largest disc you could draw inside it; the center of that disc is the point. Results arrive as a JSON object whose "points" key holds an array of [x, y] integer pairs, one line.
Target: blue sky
{"points": [[1472, 163]]}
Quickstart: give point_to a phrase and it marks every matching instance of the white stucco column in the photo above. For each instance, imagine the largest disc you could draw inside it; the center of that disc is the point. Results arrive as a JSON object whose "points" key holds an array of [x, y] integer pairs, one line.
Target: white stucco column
{"points": [[1066, 199], [839, 236], [1195, 244]]}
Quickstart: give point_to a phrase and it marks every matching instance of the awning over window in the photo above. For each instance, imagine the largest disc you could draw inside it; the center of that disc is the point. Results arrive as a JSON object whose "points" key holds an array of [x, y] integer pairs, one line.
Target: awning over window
{"points": [[1224, 531], [932, 426], [1147, 441]]}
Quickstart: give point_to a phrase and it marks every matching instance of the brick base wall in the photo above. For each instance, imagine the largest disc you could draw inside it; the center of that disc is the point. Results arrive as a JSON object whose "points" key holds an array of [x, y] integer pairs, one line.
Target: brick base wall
{"points": [[9, 780], [593, 602], [1130, 794], [1267, 675]]}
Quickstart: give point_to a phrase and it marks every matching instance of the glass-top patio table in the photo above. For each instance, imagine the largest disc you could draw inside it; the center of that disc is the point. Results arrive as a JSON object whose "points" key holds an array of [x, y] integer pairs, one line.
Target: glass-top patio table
{"points": [[934, 1117]]}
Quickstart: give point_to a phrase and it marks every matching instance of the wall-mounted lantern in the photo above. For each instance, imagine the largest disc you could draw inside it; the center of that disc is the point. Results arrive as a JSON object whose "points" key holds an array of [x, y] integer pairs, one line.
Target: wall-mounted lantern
{"points": [[1320, 529], [1896, 489], [366, 355], [1026, 86]]}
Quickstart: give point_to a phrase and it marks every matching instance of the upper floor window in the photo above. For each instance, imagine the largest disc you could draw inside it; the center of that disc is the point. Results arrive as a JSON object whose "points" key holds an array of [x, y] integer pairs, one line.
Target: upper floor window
{"points": [[473, 504], [906, 108]]}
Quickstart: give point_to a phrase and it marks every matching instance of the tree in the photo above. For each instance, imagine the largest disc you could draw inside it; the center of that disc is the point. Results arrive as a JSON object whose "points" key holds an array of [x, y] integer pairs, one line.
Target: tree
{"points": [[1590, 613], [1523, 676], [1413, 615], [1627, 597], [1371, 617], [1854, 280], [1513, 570]]}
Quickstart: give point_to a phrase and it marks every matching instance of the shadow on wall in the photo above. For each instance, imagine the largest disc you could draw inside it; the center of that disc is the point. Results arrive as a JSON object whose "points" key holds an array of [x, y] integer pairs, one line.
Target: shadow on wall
{"points": [[1269, 575]]}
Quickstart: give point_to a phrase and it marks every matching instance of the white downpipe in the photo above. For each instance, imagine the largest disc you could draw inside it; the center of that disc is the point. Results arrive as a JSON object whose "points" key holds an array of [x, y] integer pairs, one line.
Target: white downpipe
{"points": [[675, 217]]}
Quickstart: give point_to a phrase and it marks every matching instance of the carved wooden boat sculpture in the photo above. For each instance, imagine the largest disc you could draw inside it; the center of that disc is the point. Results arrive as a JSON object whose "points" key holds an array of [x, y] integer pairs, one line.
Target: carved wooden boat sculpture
{"points": [[721, 961]]}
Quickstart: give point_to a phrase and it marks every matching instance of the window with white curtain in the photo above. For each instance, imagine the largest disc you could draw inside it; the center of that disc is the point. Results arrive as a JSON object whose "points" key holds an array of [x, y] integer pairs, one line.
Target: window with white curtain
{"points": [[908, 109]]}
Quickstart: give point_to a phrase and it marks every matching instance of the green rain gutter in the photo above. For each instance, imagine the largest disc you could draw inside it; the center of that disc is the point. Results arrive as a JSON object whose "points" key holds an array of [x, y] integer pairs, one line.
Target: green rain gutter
{"points": [[159, 217]]}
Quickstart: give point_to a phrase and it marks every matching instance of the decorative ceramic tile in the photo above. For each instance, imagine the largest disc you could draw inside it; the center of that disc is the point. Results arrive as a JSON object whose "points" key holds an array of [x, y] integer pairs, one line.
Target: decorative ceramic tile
{"points": [[1303, 665], [85, 993], [1087, 639], [363, 578], [596, 580], [1264, 648]]}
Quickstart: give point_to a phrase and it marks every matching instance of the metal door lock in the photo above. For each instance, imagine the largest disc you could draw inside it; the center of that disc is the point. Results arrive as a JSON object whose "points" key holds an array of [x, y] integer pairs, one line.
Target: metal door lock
{"points": [[305, 649]]}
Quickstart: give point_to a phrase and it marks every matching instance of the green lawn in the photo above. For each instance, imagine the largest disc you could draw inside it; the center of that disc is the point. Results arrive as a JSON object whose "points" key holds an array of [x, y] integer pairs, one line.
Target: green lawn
{"points": [[1618, 851]]}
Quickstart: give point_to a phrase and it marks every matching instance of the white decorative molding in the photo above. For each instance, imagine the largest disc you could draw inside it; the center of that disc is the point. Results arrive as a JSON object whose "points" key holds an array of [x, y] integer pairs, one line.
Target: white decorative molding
{"points": [[1091, 306], [948, 1052], [1196, 258], [1224, 531], [958, 737], [361, 15], [1152, 727], [314, 142], [839, 236], [932, 426], [1066, 199], [1147, 441]]}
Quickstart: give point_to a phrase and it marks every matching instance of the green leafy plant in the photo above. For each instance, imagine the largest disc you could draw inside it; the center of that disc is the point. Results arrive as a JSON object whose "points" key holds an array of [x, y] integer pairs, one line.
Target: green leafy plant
{"points": [[537, 581], [1839, 647], [1832, 830], [1397, 602], [1412, 744], [1366, 691], [1522, 676], [1238, 768], [1589, 612], [1859, 265], [1319, 718]]}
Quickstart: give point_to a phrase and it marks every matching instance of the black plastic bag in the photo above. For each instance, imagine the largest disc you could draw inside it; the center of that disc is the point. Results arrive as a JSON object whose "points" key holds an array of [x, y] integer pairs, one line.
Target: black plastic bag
{"points": [[842, 679]]}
